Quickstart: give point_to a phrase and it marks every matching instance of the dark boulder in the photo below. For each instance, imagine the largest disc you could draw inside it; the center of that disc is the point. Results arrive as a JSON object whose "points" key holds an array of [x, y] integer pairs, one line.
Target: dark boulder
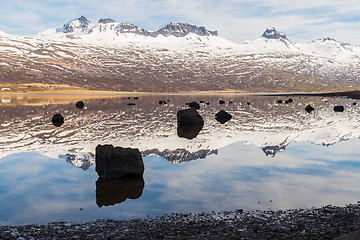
{"points": [[136, 98], [248, 103], [57, 120], [290, 100], [189, 123], [113, 191], [222, 117], [194, 105], [309, 109], [80, 104], [131, 104], [354, 103], [339, 108], [117, 162], [161, 102], [279, 101], [201, 101], [221, 101]]}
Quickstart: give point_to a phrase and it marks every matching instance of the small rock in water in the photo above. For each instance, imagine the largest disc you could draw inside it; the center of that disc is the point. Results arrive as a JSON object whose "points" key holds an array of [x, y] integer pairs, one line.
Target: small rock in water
{"points": [[57, 120], [201, 101], [222, 117], [221, 101], [207, 103], [248, 103], [339, 108], [136, 98], [286, 102], [290, 100], [279, 101], [309, 109], [354, 103], [189, 123], [80, 104], [131, 104], [194, 105], [161, 102]]}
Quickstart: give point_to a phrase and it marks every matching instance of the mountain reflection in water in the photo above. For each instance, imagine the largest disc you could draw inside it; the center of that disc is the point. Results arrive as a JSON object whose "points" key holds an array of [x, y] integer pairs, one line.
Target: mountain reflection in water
{"points": [[150, 126]]}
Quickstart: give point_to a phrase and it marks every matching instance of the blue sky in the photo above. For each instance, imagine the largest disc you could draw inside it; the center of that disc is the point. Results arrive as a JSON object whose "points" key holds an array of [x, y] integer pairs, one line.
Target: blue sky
{"points": [[236, 20]]}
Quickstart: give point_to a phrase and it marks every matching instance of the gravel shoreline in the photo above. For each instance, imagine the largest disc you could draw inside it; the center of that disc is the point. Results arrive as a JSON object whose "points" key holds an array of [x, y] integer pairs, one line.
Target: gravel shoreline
{"points": [[327, 222]]}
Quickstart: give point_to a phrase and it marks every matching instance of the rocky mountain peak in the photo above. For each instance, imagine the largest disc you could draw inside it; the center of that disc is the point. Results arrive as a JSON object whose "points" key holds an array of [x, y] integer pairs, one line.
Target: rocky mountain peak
{"points": [[81, 24], [271, 33], [182, 29], [106, 20]]}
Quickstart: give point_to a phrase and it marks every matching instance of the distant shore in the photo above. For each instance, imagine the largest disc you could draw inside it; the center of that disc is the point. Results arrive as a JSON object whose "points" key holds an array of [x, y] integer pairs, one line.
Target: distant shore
{"points": [[40, 89]]}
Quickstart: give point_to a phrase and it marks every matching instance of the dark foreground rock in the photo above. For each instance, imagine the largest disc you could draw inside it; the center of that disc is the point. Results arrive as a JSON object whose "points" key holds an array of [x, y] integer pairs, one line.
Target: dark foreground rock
{"points": [[318, 223], [117, 162]]}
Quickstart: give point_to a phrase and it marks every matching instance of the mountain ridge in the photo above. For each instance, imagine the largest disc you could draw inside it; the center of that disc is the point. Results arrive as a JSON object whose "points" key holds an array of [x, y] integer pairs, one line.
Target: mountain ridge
{"points": [[175, 58]]}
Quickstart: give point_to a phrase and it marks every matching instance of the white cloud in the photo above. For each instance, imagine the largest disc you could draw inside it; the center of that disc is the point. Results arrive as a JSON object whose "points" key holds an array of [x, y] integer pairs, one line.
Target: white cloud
{"points": [[237, 20]]}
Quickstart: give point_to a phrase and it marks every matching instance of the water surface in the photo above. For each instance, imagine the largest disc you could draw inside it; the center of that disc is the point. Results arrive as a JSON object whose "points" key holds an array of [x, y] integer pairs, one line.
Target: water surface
{"points": [[269, 155]]}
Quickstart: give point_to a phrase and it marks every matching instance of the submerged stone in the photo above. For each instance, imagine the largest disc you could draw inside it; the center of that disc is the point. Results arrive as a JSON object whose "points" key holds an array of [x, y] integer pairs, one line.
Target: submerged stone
{"points": [[221, 101]]}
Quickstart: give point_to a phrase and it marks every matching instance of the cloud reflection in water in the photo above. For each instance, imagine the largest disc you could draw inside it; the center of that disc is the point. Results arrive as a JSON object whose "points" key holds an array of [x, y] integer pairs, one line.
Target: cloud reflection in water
{"points": [[35, 188]]}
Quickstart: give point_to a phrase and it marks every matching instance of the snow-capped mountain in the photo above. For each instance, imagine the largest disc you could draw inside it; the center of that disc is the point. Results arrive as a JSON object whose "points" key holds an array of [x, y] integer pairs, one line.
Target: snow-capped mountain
{"points": [[82, 25], [111, 55]]}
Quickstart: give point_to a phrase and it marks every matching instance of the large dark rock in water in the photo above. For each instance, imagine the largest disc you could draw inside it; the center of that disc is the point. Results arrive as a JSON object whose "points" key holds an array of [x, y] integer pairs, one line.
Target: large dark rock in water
{"points": [[113, 191], [189, 123], [222, 117], [117, 162], [57, 120], [339, 108]]}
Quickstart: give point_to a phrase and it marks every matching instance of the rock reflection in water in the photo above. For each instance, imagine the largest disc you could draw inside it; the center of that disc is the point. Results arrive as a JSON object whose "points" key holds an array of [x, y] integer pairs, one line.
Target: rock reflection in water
{"points": [[189, 123], [114, 191]]}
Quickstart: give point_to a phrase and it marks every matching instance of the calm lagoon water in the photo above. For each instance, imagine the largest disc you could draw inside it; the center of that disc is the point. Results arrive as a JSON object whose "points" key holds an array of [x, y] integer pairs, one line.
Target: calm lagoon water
{"points": [[268, 156]]}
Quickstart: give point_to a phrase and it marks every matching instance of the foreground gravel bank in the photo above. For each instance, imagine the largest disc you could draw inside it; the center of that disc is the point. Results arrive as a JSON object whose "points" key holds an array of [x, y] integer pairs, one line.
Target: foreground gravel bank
{"points": [[318, 223]]}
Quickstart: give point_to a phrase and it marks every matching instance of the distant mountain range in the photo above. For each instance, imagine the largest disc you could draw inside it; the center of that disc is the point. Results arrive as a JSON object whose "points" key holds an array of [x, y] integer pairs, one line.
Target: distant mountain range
{"points": [[110, 55]]}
